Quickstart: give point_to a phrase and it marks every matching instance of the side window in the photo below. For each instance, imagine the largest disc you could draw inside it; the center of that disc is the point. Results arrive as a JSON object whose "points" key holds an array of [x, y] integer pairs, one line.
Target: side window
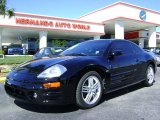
{"points": [[40, 53], [125, 47], [47, 52], [136, 49]]}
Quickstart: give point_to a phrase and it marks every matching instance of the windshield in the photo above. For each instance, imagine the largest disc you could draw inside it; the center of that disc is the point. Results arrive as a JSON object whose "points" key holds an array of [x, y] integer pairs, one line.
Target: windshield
{"points": [[15, 46], [88, 48], [44, 52]]}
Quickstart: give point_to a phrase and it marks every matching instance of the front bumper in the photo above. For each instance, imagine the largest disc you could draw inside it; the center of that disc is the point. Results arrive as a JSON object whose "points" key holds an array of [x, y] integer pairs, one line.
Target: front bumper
{"points": [[35, 93]]}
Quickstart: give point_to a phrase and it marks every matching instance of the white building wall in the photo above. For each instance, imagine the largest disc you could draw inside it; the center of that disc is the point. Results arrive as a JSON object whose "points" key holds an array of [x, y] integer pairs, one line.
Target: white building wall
{"points": [[8, 41], [103, 15], [152, 37], [42, 39], [0, 38], [143, 34], [123, 10], [11, 22], [119, 30]]}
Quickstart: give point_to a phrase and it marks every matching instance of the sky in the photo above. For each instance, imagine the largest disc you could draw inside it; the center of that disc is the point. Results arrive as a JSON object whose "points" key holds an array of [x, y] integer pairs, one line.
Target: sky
{"points": [[71, 8]]}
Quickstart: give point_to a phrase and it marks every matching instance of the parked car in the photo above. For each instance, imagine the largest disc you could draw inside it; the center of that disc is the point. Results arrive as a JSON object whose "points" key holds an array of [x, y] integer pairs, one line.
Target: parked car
{"points": [[48, 52], [154, 53], [15, 49], [82, 73]]}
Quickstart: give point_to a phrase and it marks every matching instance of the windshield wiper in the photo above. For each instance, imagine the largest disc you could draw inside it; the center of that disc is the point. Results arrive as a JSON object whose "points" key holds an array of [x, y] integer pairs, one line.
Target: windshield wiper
{"points": [[76, 54]]}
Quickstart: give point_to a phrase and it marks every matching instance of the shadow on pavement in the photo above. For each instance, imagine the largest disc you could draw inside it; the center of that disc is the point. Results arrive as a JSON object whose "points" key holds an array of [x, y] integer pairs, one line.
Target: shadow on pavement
{"points": [[46, 109], [121, 92], [72, 108]]}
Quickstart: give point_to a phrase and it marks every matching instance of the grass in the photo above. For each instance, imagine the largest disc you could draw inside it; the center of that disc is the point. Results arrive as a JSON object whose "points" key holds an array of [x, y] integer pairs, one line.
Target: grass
{"points": [[12, 60]]}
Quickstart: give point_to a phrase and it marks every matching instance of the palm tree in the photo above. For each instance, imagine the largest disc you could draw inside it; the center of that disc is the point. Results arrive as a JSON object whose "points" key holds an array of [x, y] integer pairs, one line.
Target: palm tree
{"points": [[4, 11]]}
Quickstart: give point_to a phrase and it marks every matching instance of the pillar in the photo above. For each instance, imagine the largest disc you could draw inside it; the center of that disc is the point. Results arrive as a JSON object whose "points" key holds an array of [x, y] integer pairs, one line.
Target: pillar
{"points": [[141, 42], [152, 37], [24, 45], [0, 38], [119, 30], [96, 37], [42, 39]]}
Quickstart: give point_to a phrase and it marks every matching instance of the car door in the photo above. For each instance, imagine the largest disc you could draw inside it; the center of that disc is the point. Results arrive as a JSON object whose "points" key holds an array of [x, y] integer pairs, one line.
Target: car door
{"points": [[122, 66], [140, 63]]}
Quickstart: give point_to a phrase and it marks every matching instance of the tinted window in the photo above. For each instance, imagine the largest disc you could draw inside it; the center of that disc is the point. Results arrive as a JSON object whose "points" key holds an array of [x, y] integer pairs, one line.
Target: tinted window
{"points": [[136, 48], [89, 48], [123, 46], [47, 51], [43, 52], [40, 53]]}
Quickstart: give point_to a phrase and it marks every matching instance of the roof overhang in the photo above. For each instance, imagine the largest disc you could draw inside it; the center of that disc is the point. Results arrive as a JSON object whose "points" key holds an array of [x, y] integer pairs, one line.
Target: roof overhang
{"points": [[134, 17], [29, 25]]}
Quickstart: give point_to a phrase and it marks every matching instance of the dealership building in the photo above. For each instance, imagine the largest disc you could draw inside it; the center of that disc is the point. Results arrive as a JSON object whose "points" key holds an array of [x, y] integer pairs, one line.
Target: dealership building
{"points": [[119, 20]]}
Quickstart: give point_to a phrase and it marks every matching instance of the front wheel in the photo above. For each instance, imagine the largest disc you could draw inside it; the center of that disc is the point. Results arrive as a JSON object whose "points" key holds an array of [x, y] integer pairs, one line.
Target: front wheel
{"points": [[89, 90], [150, 76]]}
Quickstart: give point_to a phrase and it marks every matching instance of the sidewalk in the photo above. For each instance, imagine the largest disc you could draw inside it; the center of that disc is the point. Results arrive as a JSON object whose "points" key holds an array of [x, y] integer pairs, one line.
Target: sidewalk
{"points": [[4, 69], [2, 79]]}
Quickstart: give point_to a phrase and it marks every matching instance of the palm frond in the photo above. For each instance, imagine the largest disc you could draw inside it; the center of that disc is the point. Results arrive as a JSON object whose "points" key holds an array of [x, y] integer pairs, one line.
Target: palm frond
{"points": [[2, 7], [4, 11], [10, 12]]}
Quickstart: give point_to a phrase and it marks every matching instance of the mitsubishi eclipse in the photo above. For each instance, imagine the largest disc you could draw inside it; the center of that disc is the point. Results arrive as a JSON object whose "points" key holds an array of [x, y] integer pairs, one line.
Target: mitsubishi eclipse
{"points": [[82, 73]]}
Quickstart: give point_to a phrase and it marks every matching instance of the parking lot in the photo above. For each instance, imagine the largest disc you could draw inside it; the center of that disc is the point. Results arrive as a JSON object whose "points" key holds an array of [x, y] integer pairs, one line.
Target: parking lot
{"points": [[132, 103]]}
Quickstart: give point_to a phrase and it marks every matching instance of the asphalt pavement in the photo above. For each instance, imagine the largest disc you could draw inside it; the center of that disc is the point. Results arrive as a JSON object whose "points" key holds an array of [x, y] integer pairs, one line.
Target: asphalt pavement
{"points": [[132, 103]]}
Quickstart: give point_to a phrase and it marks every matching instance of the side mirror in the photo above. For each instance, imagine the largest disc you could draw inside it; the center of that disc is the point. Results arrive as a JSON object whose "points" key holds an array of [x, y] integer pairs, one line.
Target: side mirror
{"points": [[115, 53]]}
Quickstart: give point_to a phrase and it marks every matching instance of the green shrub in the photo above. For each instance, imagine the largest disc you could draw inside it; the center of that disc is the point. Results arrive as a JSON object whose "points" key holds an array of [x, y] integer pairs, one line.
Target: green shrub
{"points": [[1, 51]]}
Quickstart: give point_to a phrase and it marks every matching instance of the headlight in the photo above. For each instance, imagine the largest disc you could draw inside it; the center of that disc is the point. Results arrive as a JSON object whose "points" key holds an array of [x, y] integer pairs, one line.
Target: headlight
{"points": [[54, 71]]}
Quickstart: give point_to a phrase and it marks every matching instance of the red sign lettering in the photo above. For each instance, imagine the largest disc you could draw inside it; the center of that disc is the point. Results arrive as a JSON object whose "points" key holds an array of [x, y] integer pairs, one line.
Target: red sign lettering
{"points": [[62, 25], [34, 22], [46, 23]]}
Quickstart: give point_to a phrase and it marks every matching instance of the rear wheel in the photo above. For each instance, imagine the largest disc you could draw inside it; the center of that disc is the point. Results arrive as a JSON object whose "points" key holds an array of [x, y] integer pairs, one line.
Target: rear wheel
{"points": [[150, 76], [89, 90]]}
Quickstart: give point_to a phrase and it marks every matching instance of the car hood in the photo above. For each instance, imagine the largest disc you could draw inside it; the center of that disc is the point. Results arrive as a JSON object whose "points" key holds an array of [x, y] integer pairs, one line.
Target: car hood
{"points": [[38, 65]]}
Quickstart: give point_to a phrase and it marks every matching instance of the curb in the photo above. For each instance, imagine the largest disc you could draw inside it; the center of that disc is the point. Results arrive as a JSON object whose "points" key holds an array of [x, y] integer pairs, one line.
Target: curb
{"points": [[2, 79]]}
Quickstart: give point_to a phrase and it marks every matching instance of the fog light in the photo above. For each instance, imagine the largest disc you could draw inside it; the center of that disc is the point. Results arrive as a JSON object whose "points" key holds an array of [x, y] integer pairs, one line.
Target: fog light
{"points": [[52, 85], [35, 95]]}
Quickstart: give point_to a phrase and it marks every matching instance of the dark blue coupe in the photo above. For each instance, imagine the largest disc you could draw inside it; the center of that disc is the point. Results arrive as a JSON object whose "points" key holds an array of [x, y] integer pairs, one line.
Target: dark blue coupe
{"points": [[82, 73]]}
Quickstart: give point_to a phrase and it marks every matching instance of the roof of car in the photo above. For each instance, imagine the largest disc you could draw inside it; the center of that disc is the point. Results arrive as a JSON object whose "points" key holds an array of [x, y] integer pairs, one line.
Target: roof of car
{"points": [[111, 40]]}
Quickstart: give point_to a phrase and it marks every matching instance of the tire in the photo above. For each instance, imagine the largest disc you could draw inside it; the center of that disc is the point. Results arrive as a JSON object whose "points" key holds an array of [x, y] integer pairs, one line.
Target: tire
{"points": [[89, 90], [150, 76]]}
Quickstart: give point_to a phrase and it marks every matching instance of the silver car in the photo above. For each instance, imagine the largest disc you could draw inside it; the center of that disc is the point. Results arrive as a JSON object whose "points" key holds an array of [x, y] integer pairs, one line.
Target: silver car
{"points": [[154, 52]]}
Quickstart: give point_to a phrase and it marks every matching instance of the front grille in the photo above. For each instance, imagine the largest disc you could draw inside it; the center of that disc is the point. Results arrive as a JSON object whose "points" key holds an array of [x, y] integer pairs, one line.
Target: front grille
{"points": [[51, 95], [15, 92]]}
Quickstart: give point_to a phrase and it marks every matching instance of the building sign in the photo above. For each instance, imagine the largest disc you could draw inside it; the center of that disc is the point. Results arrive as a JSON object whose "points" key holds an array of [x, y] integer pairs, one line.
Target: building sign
{"points": [[52, 24], [142, 15], [131, 35]]}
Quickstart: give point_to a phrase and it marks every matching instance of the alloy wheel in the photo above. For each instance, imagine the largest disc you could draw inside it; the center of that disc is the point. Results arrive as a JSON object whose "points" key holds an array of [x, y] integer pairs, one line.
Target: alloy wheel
{"points": [[150, 75], [91, 90]]}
